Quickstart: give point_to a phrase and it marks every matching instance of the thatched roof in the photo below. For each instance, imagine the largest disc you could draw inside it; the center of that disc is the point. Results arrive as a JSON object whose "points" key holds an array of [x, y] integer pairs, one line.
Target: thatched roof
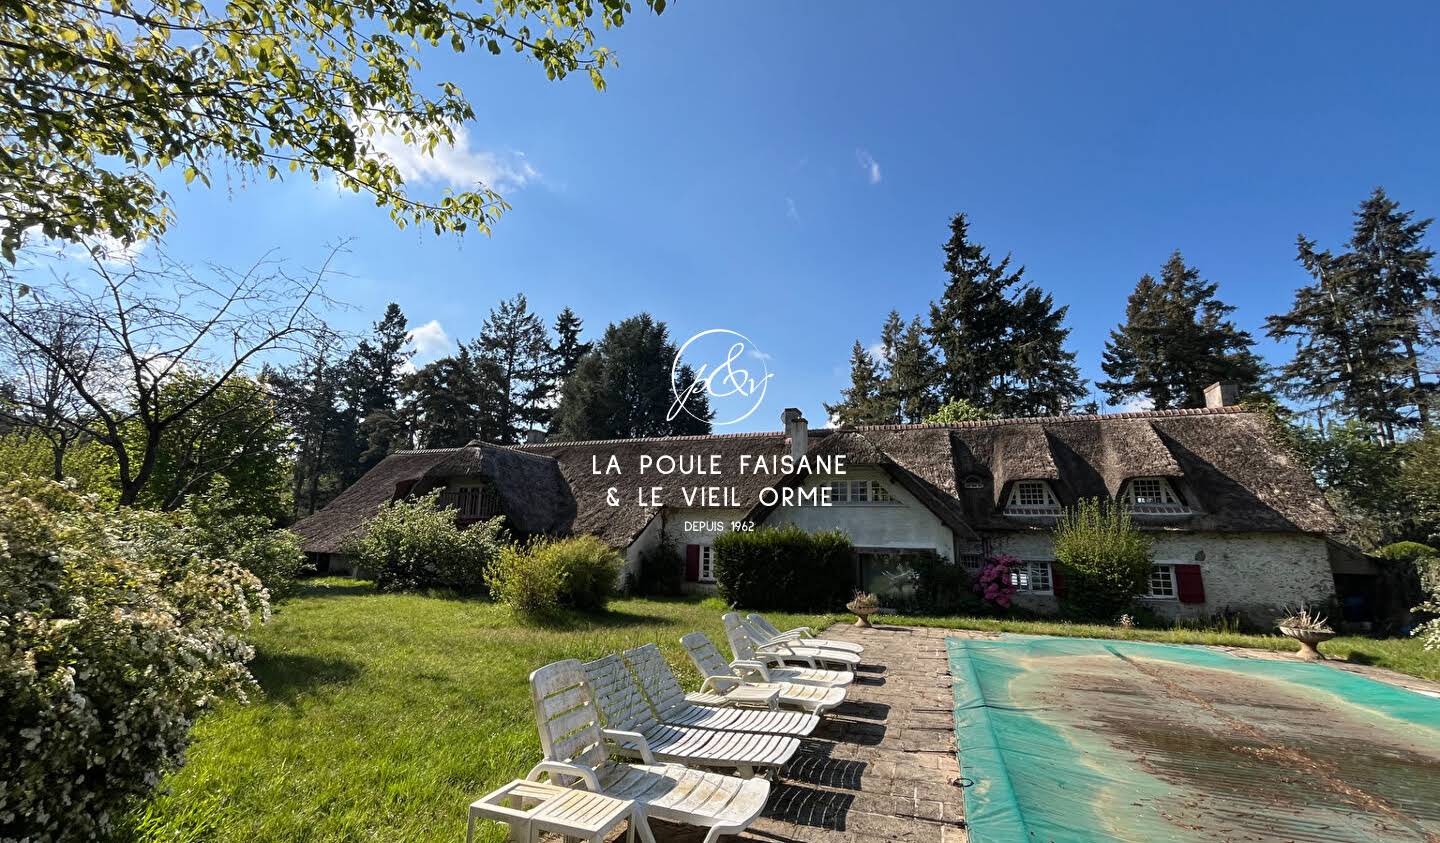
{"points": [[533, 493], [1229, 466]]}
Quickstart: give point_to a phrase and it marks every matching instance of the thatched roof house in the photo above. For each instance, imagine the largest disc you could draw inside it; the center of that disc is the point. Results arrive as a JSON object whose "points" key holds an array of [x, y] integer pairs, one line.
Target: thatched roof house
{"points": [[1219, 489]]}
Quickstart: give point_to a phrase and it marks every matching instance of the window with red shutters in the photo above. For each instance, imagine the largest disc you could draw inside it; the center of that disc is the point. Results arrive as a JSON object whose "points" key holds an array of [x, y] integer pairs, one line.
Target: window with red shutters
{"points": [[1189, 584], [692, 563]]}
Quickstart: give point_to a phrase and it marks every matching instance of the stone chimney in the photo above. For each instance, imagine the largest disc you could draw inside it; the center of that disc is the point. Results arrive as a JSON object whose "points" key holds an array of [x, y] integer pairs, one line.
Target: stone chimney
{"points": [[534, 437], [1222, 394], [797, 430]]}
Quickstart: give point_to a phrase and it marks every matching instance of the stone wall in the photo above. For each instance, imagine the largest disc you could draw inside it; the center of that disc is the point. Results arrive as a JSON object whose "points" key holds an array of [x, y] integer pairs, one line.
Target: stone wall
{"points": [[1254, 574]]}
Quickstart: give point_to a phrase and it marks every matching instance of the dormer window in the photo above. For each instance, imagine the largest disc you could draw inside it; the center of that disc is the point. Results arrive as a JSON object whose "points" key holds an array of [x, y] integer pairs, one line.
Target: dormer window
{"points": [[1032, 497], [1152, 496]]}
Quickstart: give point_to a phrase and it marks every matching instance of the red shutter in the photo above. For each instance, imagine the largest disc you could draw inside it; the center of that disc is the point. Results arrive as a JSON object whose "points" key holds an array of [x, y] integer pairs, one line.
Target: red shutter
{"points": [[1189, 585], [1057, 579], [692, 563]]}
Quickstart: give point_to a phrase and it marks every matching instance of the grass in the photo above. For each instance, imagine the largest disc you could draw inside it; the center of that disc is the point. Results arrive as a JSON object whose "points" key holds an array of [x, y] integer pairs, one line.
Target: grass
{"points": [[382, 716], [1405, 655]]}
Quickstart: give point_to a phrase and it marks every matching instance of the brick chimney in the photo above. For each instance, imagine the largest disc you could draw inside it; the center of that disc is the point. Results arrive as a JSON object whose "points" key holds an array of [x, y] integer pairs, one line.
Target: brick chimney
{"points": [[534, 437], [1222, 394], [797, 430]]}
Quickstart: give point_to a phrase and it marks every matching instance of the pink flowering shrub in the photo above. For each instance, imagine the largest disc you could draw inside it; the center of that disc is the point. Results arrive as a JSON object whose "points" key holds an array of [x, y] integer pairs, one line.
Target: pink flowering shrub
{"points": [[993, 582]]}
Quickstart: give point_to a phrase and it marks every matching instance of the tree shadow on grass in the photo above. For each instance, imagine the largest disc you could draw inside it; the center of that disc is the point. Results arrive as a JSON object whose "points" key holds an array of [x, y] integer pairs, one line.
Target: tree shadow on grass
{"points": [[571, 620], [284, 677], [311, 589]]}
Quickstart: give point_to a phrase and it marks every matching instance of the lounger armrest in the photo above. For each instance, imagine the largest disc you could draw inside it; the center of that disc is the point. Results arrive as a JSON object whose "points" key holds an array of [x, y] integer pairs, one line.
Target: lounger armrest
{"points": [[720, 684], [781, 652], [562, 768], [792, 635], [631, 740], [753, 666]]}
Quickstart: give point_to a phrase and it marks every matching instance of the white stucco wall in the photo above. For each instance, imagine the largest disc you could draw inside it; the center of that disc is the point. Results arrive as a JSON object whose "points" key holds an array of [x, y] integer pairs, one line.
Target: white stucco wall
{"points": [[648, 538], [1254, 574], [903, 523]]}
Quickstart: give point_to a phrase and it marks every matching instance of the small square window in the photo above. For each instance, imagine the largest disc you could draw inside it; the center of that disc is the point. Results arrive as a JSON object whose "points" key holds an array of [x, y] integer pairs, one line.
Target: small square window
{"points": [[1031, 576], [859, 491], [1162, 581], [1034, 496], [840, 492]]}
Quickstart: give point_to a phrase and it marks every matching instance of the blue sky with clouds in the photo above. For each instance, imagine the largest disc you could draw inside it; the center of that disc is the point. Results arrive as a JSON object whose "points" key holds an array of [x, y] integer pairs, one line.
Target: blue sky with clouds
{"points": [[787, 170]]}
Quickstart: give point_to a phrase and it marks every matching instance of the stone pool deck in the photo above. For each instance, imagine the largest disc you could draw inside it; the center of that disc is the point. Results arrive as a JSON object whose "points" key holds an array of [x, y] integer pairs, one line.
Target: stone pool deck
{"points": [[882, 766]]}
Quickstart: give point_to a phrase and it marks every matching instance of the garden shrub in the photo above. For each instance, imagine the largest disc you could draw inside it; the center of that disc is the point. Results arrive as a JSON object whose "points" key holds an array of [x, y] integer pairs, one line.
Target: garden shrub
{"points": [[217, 524], [549, 574], [412, 544], [785, 569], [1106, 559], [941, 587], [993, 584], [116, 631], [1428, 568], [662, 569]]}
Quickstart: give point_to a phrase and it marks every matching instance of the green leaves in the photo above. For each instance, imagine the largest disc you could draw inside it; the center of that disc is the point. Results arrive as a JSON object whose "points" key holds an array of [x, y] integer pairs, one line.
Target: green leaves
{"points": [[101, 96]]}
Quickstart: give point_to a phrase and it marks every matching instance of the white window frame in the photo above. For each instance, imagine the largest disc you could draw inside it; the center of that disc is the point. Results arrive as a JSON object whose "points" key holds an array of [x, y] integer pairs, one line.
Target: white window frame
{"points": [[1168, 569], [707, 563], [1015, 506], [850, 492], [1163, 502], [1036, 572]]}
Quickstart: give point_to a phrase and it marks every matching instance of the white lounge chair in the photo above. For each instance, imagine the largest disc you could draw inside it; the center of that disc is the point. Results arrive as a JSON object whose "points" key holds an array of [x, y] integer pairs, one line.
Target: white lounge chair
{"points": [[801, 634], [635, 729], [575, 753], [671, 705], [791, 652], [722, 678], [781, 670]]}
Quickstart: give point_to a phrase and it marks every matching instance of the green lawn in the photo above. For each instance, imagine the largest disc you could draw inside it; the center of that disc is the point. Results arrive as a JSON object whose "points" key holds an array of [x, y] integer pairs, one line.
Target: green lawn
{"points": [[383, 716], [1406, 655]]}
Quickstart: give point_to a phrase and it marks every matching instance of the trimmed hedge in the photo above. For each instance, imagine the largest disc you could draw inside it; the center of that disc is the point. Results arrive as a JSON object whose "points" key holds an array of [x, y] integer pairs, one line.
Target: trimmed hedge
{"points": [[785, 569], [545, 575]]}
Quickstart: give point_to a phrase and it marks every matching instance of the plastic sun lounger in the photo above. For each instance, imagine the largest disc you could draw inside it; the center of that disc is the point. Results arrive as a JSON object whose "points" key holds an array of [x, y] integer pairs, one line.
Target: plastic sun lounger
{"points": [[635, 729], [671, 705], [721, 677], [575, 753], [791, 652], [781, 669], [801, 635]]}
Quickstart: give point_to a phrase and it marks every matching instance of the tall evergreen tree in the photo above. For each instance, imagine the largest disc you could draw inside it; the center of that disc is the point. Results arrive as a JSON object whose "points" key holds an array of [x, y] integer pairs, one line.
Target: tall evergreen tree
{"points": [[1044, 380], [911, 372], [568, 349], [514, 341], [1358, 327], [372, 393], [307, 397], [454, 400], [1175, 341], [969, 323], [863, 402], [622, 388]]}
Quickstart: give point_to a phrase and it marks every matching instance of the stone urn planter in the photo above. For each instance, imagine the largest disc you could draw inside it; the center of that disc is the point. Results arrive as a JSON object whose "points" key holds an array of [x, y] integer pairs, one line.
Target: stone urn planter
{"points": [[863, 606], [1309, 640]]}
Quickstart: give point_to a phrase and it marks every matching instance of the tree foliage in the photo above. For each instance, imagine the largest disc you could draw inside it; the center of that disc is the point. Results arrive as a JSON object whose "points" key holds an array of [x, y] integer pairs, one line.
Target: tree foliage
{"points": [[622, 389], [1176, 340], [1105, 558], [413, 543], [96, 98], [955, 412]]}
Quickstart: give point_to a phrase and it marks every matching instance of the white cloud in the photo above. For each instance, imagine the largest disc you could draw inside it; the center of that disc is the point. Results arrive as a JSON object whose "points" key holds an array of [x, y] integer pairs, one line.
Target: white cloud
{"points": [[430, 340], [759, 355], [1138, 404], [110, 251], [877, 351], [455, 164], [790, 210], [868, 164]]}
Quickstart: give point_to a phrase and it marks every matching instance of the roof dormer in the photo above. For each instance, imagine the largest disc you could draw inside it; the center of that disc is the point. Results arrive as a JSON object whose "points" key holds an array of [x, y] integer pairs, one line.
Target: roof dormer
{"points": [[1032, 498], [1153, 496]]}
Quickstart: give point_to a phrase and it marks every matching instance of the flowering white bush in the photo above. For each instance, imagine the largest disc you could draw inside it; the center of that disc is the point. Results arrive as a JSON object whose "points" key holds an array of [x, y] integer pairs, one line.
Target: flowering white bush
{"points": [[115, 632], [1429, 632], [414, 543]]}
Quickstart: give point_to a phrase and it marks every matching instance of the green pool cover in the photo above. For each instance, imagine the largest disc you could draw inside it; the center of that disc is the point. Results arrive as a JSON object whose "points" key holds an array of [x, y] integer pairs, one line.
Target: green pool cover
{"points": [[1072, 739]]}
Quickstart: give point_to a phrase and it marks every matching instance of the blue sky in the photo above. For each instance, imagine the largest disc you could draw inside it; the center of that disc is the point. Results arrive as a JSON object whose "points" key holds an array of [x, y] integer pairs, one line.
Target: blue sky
{"points": [[788, 170]]}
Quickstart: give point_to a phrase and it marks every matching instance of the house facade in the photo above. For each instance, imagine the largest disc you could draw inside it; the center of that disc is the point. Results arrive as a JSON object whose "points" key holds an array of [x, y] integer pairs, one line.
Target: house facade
{"points": [[1238, 524]]}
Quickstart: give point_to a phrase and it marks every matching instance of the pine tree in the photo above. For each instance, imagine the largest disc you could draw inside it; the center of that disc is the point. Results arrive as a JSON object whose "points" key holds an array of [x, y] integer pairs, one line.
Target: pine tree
{"points": [[1044, 380], [454, 400], [622, 388], [969, 323], [911, 373], [1358, 327], [307, 397], [863, 402], [372, 394], [514, 341], [1175, 341], [568, 349]]}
